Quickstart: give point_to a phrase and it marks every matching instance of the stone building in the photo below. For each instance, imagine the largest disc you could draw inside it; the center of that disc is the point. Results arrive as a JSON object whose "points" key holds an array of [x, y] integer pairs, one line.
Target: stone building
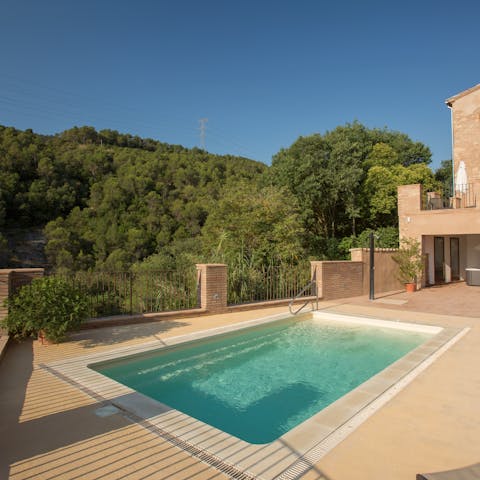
{"points": [[449, 228]]}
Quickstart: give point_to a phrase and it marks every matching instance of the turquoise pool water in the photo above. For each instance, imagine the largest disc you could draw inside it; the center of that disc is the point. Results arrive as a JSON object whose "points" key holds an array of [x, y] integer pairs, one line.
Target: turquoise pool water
{"points": [[260, 383]]}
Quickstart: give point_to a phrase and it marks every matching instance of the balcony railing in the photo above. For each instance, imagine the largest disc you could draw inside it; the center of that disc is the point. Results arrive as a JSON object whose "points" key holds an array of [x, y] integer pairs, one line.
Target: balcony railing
{"points": [[463, 197]]}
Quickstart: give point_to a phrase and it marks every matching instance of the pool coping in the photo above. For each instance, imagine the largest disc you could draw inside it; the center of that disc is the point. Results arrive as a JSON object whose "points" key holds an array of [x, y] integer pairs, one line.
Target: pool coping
{"points": [[294, 452]]}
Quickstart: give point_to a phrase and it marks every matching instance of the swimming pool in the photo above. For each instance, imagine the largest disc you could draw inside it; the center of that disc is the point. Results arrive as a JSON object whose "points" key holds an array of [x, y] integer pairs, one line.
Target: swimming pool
{"points": [[260, 383], [293, 452]]}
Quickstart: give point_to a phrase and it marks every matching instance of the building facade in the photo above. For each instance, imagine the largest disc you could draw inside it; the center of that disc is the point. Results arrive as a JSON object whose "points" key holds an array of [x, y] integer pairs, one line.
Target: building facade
{"points": [[449, 228]]}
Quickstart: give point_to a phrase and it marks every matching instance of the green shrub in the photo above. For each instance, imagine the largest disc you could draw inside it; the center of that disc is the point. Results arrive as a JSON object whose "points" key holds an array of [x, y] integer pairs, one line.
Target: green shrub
{"points": [[48, 304]]}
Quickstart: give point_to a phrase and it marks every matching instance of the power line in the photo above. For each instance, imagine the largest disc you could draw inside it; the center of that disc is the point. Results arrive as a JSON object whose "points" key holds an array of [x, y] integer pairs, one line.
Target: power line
{"points": [[36, 101]]}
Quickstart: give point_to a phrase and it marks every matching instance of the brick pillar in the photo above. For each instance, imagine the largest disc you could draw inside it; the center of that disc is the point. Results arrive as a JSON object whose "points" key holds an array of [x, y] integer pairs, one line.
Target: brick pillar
{"points": [[23, 276], [13, 279], [4, 290], [317, 274], [213, 286]]}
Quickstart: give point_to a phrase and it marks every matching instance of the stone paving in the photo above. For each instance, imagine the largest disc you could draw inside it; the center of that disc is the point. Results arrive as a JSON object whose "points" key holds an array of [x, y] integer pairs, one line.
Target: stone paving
{"points": [[51, 430]]}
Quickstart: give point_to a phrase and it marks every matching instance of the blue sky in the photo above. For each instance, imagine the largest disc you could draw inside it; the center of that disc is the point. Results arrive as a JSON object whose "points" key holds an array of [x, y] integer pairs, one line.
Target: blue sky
{"points": [[262, 72]]}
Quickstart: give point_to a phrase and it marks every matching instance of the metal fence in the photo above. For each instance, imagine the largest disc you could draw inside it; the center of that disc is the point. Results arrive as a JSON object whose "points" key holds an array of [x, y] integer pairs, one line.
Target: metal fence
{"points": [[246, 285], [462, 196], [114, 293]]}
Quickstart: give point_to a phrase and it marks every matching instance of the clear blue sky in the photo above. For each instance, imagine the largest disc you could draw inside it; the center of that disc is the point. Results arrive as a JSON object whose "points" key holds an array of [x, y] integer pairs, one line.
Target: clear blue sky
{"points": [[263, 72]]}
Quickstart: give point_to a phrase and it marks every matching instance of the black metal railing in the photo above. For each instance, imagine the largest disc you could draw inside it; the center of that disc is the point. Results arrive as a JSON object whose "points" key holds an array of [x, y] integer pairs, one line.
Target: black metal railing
{"points": [[114, 293], [462, 196], [248, 285]]}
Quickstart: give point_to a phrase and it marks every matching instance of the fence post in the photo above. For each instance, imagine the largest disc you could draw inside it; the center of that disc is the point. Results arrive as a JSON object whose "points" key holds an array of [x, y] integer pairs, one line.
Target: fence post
{"points": [[213, 286], [130, 276], [316, 275]]}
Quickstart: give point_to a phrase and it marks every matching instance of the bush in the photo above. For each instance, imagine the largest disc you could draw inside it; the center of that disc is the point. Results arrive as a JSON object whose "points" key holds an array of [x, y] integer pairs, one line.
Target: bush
{"points": [[48, 304]]}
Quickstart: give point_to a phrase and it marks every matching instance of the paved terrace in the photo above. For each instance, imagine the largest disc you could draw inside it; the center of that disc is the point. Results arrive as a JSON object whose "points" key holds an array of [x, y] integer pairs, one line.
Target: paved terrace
{"points": [[51, 430]]}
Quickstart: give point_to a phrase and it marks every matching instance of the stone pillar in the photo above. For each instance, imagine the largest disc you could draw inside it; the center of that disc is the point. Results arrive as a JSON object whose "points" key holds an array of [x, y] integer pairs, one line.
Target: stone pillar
{"points": [[213, 287]]}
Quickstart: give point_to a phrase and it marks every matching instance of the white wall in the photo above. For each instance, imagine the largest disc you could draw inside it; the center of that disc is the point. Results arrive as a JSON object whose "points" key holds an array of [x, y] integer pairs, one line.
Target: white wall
{"points": [[428, 248]]}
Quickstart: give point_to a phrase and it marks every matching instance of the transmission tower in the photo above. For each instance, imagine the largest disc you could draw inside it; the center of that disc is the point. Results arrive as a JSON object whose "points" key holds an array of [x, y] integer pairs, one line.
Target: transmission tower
{"points": [[203, 128]]}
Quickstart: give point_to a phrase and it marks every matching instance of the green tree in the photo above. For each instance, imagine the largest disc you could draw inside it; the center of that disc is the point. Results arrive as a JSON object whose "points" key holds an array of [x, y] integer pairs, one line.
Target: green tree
{"points": [[382, 155], [322, 175], [381, 189], [259, 226], [444, 175]]}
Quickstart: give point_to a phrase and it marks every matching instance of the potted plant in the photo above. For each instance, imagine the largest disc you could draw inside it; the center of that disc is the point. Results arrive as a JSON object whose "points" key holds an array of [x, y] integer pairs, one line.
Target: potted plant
{"points": [[410, 261], [47, 308]]}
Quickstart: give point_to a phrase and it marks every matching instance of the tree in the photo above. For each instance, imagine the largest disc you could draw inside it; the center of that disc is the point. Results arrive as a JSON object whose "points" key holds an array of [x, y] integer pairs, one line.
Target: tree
{"points": [[346, 180], [260, 226], [381, 189], [444, 175], [382, 155], [322, 174]]}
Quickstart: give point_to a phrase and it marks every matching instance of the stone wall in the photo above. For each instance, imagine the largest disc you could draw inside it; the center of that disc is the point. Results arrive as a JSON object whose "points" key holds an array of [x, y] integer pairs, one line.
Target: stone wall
{"points": [[466, 131]]}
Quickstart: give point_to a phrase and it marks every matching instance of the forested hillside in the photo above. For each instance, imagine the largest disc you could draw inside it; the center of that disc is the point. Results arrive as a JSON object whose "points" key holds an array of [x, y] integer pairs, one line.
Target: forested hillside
{"points": [[109, 200], [112, 201]]}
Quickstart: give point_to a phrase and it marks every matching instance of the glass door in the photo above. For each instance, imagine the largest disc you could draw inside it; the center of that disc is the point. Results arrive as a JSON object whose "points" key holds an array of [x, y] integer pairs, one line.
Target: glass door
{"points": [[455, 258], [439, 259]]}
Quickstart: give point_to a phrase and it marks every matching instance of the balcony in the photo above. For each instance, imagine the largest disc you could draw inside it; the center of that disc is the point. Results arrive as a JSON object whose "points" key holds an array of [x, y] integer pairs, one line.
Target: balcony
{"points": [[463, 197]]}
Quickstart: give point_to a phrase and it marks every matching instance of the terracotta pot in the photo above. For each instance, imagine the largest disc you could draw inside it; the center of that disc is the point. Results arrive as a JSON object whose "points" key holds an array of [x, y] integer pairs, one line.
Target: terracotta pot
{"points": [[43, 339], [410, 287]]}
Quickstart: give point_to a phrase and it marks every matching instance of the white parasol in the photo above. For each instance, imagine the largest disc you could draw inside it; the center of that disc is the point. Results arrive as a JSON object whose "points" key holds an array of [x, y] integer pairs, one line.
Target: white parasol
{"points": [[461, 178]]}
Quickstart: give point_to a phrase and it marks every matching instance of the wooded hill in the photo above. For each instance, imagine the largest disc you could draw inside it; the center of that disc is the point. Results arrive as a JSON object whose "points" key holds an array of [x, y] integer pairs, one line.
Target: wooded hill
{"points": [[112, 201]]}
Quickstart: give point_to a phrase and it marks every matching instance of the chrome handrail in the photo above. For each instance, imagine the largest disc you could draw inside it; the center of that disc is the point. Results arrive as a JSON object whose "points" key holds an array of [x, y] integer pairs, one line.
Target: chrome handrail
{"points": [[313, 283]]}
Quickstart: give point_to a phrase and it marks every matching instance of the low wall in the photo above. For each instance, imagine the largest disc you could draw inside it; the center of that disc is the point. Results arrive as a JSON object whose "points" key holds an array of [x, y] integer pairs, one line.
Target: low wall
{"points": [[386, 270], [338, 279], [11, 279], [334, 280], [344, 278]]}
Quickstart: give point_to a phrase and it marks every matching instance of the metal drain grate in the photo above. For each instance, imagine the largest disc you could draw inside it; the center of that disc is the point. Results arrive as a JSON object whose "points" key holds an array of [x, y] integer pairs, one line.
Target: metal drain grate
{"points": [[202, 455]]}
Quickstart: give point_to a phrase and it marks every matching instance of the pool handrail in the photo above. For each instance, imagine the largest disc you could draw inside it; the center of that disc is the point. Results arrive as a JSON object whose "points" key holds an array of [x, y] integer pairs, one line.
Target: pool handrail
{"points": [[312, 283]]}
